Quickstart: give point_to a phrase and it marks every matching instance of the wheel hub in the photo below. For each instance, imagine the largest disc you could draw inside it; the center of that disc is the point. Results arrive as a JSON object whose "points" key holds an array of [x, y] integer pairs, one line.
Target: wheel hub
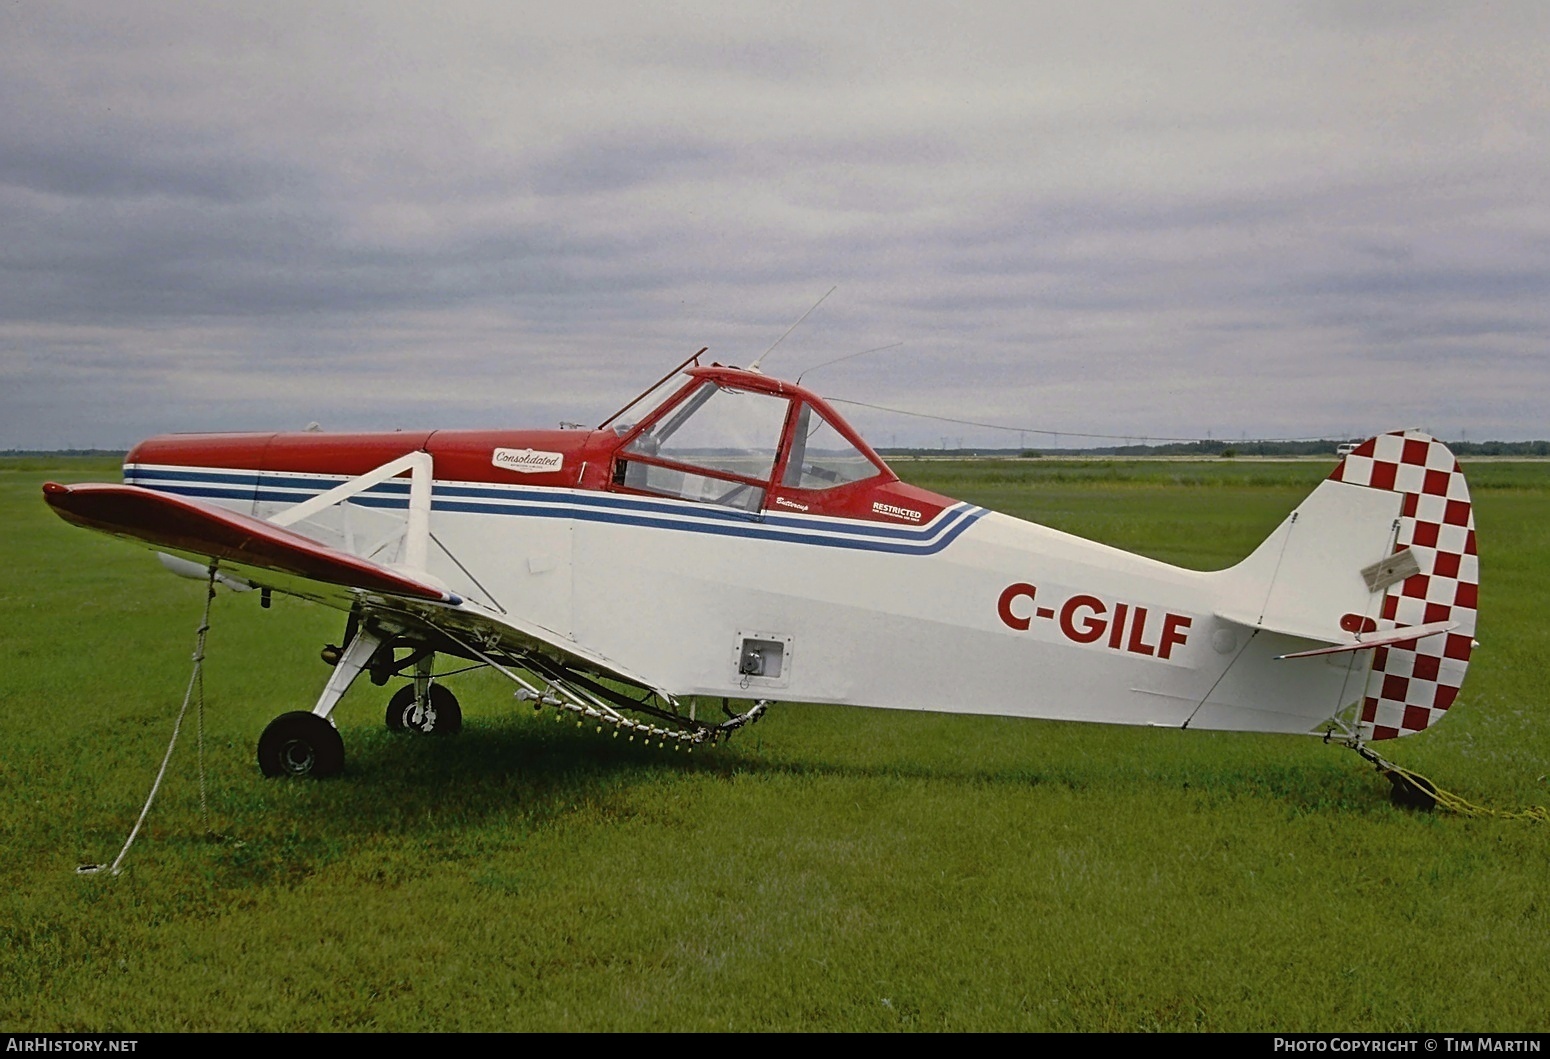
{"points": [[298, 756]]}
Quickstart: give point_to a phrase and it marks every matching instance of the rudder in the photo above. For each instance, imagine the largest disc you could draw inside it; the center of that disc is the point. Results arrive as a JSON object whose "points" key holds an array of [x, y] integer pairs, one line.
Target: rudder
{"points": [[1411, 686]]}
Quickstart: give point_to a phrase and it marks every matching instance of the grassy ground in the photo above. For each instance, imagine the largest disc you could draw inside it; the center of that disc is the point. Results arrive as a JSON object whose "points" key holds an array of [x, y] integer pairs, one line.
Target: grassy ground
{"points": [[831, 869]]}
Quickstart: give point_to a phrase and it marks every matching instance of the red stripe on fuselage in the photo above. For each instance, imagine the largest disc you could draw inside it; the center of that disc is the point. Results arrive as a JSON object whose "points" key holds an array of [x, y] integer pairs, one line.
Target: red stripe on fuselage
{"points": [[586, 458], [459, 455]]}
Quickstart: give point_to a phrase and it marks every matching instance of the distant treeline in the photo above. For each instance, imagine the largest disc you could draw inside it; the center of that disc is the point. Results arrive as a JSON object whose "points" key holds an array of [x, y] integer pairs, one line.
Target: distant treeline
{"points": [[101, 453], [1229, 449]]}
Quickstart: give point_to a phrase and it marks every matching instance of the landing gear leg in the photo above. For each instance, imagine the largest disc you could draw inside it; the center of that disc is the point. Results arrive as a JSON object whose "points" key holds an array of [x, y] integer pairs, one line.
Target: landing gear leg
{"points": [[307, 744], [423, 668], [424, 706]]}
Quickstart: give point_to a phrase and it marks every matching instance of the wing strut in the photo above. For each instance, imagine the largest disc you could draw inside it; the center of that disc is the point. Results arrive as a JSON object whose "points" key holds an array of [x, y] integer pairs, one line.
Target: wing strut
{"points": [[417, 535]]}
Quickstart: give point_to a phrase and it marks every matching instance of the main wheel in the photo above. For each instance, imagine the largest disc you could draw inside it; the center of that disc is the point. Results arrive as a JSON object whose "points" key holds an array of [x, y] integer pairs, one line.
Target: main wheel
{"points": [[300, 744], [441, 715]]}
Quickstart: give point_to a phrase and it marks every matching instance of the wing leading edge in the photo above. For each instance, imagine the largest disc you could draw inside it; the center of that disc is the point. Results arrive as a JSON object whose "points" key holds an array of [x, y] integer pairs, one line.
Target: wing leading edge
{"points": [[191, 527], [251, 547]]}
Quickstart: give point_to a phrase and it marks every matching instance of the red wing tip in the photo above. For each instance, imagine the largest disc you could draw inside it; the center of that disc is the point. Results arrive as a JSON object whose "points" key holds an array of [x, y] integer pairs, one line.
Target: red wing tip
{"points": [[54, 489]]}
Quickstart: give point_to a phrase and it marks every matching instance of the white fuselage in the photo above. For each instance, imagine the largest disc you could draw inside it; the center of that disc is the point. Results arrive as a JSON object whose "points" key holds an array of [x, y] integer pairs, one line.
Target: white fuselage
{"points": [[975, 612]]}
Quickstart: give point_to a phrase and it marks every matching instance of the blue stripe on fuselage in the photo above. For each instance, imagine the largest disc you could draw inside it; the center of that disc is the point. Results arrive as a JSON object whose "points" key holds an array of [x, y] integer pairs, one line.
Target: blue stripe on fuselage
{"points": [[537, 502]]}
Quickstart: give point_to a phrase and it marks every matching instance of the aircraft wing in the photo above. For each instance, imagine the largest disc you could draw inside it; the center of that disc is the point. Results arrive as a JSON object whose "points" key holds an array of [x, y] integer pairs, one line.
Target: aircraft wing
{"points": [[190, 527], [271, 556]]}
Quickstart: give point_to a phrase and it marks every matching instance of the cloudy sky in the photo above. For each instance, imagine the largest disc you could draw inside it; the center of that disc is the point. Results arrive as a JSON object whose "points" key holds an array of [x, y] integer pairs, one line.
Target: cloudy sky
{"points": [[1156, 219]]}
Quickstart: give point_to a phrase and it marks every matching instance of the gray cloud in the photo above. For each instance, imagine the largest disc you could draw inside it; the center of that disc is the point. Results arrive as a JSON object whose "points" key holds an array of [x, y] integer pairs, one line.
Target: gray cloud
{"points": [[1294, 219]]}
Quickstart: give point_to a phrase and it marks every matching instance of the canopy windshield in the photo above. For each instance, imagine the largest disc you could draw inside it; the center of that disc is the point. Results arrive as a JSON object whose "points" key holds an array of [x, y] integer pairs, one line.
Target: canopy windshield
{"points": [[716, 428], [730, 440], [718, 445], [644, 406]]}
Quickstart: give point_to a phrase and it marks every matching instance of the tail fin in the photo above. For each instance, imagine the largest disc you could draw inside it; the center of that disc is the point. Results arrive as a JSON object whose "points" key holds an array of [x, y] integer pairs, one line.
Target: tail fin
{"points": [[1412, 685], [1386, 542]]}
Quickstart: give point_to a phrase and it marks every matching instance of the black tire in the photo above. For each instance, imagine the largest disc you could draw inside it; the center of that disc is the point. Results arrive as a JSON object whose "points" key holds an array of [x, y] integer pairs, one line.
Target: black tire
{"points": [[445, 716], [397, 706], [300, 744]]}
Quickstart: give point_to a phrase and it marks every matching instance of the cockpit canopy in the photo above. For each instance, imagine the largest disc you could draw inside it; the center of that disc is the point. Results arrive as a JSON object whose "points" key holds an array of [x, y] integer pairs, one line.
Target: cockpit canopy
{"points": [[730, 438]]}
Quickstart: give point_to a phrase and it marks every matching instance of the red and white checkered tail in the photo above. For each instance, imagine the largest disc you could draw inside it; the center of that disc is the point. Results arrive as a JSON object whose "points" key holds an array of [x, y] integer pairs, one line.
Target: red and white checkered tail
{"points": [[1412, 685]]}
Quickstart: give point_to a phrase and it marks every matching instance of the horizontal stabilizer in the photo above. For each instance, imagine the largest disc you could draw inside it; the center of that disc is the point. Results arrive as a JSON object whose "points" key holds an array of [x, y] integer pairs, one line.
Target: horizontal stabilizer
{"points": [[1408, 634], [192, 527]]}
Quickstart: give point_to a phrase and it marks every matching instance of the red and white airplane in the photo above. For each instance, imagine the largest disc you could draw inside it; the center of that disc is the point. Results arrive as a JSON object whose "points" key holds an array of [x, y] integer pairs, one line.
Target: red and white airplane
{"points": [[738, 540]]}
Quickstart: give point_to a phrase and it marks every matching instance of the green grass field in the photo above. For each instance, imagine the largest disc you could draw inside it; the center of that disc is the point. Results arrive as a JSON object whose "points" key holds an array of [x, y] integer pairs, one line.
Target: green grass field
{"points": [[830, 869]]}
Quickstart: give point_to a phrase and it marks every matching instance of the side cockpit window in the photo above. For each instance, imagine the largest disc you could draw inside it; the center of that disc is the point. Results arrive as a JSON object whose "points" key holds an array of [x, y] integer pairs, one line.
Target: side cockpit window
{"points": [[821, 458], [717, 446]]}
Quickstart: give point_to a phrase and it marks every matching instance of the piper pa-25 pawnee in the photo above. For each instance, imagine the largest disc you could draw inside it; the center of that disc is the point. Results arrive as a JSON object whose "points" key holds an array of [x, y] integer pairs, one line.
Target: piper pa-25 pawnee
{"points": [[738, 540]]}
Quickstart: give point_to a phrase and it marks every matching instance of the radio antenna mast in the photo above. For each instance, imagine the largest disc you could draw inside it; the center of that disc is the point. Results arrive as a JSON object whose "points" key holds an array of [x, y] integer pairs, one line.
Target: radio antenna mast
{"points": [[755, 365]]}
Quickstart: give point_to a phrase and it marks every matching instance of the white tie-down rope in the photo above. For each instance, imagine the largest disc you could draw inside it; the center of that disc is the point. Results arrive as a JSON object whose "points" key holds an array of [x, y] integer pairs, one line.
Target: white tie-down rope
{"points": [[195, 683]]}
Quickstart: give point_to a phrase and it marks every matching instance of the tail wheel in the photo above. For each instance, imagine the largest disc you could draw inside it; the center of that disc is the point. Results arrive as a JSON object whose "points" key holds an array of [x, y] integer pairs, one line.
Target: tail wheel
{"points": [[439, 715], [1412, 792], [300, 744]]}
